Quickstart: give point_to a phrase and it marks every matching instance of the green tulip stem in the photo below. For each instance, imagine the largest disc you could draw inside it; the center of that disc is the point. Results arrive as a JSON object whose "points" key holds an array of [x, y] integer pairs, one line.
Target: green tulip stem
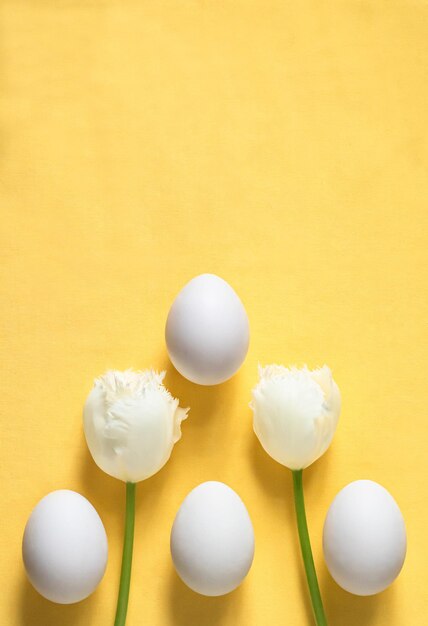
{"points": [[305, 545], [128, 542]]}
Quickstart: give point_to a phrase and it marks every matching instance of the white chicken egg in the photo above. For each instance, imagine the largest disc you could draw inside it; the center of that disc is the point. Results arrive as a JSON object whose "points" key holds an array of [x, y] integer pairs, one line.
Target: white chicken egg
{"points": [[212, 539], [207, 331], [364, 538], [64, 547]]}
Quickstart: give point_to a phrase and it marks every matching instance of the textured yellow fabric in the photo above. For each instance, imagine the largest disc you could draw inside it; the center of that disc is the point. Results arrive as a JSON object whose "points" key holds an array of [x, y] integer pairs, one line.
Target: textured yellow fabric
{"points": [[280, 144]]}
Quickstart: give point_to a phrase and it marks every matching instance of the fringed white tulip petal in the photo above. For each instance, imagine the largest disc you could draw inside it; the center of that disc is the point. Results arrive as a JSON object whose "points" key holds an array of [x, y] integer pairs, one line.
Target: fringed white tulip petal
{"points": [[131, 423], [295, 413]]}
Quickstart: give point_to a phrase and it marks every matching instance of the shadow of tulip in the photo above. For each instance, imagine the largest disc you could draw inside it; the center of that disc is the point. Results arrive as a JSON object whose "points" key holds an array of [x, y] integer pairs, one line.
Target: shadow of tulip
{"points": [[277, 481], [103, 491], [187, 607], [273, 477], [107, 494], [208, 422], [204, 401], [37, 611]]}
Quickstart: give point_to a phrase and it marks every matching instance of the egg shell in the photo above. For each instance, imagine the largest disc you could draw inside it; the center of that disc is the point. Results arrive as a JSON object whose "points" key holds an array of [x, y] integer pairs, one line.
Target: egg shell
{"points": [[64, 547], [364, 538], [207, 331], [212, 539]]}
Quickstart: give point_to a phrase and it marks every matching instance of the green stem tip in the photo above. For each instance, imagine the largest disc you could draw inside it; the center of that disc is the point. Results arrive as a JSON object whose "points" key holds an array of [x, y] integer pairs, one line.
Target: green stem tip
{"points": [[128, 542], [305, 545]]}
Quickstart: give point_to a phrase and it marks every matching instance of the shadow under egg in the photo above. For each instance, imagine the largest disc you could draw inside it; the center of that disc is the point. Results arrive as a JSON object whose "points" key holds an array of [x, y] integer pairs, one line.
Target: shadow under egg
{"points": [[186, 607], [346, 608], [34, 610]]}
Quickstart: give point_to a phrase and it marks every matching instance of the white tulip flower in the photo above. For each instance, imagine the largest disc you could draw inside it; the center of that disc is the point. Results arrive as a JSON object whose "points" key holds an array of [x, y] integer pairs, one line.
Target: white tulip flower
{"points": [[295, 413], [131, 423], [295, 417]]}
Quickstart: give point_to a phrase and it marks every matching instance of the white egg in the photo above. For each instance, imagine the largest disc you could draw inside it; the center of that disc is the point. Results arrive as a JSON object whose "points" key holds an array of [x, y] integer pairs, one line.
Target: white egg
{"points": [[207, 331], [364, 538], [64, 547], [212, 539]]}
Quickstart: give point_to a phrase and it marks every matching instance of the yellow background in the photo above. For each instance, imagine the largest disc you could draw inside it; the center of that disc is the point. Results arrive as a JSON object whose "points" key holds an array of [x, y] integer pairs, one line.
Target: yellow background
{"points": [[282, 145]]}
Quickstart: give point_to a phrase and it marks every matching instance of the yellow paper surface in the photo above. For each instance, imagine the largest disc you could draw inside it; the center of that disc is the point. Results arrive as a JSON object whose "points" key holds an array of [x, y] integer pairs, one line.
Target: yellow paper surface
{"points": [[281, 145]]}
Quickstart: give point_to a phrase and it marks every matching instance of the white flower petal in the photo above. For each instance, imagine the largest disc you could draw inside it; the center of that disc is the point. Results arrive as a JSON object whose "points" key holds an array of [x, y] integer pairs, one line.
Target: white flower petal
{"points": [[131, 423], [295, 413]]}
